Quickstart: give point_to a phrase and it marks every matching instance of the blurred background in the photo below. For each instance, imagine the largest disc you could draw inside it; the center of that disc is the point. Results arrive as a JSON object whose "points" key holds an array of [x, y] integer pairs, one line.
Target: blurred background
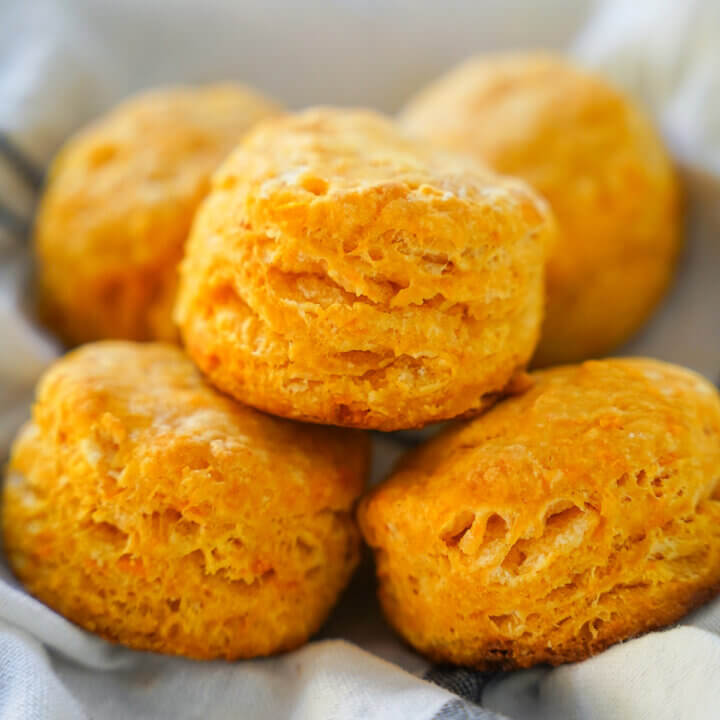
{"points": [[86, 54]]}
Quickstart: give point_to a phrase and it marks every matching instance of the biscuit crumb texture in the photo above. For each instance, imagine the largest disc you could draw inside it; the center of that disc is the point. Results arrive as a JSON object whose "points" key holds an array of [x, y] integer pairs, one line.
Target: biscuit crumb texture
{"points": [[577, 515], [341, 273], [147, 508], [118, 205], [594, 155]]}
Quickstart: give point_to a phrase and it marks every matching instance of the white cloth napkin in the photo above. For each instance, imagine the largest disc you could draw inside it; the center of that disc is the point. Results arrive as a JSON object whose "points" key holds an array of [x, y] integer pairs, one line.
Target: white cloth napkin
{"points": [[62, 62]]}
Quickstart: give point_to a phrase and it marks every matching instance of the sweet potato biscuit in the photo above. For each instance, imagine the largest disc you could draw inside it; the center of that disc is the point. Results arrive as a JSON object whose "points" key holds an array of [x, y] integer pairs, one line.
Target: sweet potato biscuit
{"points": [[579, 514], [596, 158], [150, 509], [341, 273], [118, 205]]}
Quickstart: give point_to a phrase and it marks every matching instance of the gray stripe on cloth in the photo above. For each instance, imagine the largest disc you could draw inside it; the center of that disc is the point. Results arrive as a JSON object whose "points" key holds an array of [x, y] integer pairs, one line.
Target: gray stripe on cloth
{"points": [[469, 685], [25, 168], [20, 181], [464, 710], [12, 222]]}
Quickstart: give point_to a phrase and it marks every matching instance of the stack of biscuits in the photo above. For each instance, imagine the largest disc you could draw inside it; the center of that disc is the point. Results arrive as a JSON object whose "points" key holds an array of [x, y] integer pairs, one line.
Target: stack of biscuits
{"points": [[257, 289]]}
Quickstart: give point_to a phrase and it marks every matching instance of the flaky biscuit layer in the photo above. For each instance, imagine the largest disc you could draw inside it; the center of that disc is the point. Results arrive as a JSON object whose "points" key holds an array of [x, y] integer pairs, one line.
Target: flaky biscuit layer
{"points": [[576, 515], [341, 273], [146, 507]]}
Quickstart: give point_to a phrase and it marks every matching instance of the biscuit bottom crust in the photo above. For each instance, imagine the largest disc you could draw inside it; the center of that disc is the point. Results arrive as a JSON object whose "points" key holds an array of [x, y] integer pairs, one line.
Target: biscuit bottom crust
{"points": [[147, 508], [575, 516]]}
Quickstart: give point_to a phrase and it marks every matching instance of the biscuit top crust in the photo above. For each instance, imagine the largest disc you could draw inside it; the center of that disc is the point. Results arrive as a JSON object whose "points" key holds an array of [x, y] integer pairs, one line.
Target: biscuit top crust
{"points": [[142, 414], [516, 110], [140, 170], [633, 442], [353, 169], [350, 150]]}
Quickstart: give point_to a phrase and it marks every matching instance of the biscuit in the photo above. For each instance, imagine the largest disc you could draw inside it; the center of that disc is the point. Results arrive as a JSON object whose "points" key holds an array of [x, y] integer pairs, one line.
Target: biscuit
{"points": [[598, 161], [574, 516], [341, 273], [118, 204], [146, 507]]}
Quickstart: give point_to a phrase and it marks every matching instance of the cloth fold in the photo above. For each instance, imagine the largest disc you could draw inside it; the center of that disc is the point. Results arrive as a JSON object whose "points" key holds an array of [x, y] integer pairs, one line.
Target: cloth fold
{"points": [[63, 61]]}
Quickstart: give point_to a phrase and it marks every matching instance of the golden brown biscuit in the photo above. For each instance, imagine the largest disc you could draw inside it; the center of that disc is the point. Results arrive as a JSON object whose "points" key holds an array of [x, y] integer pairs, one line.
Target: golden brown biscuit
{"points": [[563, 520], [118, 205], [596, 158], [147, 507], [341, 273]]}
